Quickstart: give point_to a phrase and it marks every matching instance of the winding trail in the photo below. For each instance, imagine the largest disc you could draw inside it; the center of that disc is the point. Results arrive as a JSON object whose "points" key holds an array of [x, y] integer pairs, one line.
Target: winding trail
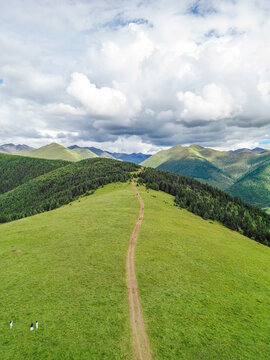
{"points": [[140, 340]]}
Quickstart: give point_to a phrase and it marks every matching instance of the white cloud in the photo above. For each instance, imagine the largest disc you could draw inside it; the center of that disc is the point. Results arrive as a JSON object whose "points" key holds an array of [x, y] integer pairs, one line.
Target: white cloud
{"points": [[151, 71], [214, 103], [64, 109], [104, 101], [264, 88]]}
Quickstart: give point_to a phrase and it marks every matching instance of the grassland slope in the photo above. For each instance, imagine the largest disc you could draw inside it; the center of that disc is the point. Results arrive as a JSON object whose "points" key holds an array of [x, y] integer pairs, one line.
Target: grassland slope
{"points": [[210, 203], [84, 153], [70, 276], [204, 289], [61, 186]]}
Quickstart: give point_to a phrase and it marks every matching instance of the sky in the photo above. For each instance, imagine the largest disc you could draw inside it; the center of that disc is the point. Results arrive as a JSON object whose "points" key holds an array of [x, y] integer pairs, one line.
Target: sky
{"points": [[135, 76]]}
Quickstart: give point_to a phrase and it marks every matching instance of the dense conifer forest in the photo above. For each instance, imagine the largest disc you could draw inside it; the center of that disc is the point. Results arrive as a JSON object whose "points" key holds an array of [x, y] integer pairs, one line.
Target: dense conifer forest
{"points": [[62, 186], [211, 203], [16, 170]]}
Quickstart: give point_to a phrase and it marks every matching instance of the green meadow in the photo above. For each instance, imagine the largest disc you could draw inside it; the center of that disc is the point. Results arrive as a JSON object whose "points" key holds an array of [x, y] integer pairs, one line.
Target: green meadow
{"points": [[205, 290], [70, 276]]}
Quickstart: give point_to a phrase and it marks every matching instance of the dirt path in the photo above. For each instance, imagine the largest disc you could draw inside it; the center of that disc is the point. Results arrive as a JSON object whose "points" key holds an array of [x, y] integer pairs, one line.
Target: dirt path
{"points": [[140, 340]]}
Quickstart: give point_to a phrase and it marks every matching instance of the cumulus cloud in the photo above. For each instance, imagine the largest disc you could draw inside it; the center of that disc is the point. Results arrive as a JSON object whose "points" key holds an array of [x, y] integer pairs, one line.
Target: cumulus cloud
{"points": [[144, 75], [214, 103], [105, 101]]}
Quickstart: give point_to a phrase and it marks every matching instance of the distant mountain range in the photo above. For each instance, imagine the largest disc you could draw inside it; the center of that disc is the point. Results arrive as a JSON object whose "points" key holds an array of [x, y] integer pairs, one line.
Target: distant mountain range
{"points": [[58, 152], [256, 150], [72, 153], [243, 172], [12, 149], [136, 158]]}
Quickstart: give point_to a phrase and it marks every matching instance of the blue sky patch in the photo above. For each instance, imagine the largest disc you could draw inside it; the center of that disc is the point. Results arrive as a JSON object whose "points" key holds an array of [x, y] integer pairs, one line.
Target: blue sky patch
{"points": [[264, 142], [201, 9], [120, 21], [1, 81], [212, 33]]}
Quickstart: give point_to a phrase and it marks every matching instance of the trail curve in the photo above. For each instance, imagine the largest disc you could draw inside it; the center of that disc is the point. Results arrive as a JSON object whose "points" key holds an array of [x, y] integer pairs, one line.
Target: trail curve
{"points": [[141, 345]]}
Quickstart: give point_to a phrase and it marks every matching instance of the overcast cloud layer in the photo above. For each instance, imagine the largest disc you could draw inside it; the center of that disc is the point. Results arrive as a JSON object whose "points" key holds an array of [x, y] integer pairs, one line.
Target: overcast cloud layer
{"points": [[135, 75]]}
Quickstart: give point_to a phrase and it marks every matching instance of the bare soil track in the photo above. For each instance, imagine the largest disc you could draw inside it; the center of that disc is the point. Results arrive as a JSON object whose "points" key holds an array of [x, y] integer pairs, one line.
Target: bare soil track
{"points": [[140, 340]]}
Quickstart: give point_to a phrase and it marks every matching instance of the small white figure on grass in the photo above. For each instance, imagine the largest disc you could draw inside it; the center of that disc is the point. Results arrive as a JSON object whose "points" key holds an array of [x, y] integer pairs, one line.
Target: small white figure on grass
{"points": [[36, 324], [11, 324], [31, 327]]}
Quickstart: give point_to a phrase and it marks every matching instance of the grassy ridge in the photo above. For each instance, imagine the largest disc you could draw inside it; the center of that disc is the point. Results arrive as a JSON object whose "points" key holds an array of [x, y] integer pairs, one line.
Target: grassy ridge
{"points": [[211, 203], [70, 276], [61, 186], [54, 151], [16, 170], [84, 153], [204, 288]]}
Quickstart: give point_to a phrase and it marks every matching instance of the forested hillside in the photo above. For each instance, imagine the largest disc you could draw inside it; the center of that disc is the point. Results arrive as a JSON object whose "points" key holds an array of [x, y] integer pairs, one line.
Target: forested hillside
{"points": [[254, 187], [200, 169], [16, 170], [242, 173], [61, 186], [211, 203]]}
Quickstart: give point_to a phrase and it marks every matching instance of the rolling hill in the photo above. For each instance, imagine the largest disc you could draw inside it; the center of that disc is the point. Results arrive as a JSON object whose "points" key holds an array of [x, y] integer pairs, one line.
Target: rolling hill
{"points": [[191, 162], [53, 152], [84, 153], [204, 289], [221, 169], [59, 152], [232, 164]]}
